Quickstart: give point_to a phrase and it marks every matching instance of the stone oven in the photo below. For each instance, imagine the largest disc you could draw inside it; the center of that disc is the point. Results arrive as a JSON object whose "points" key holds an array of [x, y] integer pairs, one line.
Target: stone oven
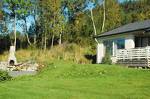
{"points": [[12, 58]]}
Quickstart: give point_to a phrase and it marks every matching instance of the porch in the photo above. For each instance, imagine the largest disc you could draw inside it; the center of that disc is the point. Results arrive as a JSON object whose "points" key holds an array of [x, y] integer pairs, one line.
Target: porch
{"points": [[128, 44], [134, 57]]}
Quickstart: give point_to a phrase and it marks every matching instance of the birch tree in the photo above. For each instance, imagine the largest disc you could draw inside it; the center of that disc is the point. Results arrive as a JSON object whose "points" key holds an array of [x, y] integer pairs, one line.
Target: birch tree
{"points": [[1, 14], [90, 4], [104, 16], [16, 9]]}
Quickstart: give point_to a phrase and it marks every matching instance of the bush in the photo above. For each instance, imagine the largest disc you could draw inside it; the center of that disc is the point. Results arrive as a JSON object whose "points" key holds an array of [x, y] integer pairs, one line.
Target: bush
{"points": [[4, 76], [107, 59]]}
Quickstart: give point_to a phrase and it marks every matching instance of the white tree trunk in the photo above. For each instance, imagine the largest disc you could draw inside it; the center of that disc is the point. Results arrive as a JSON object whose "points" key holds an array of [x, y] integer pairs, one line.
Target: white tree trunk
{"points": [[34, 39], [60, 35], [28, 39], [15, 32], [52, 44], [27, 36], [94, 27], [45, 42], [104, 16]]}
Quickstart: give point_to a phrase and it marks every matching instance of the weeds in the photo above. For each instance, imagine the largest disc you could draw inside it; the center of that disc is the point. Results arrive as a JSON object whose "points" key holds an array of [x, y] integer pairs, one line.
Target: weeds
{"points": [[66, 52]]}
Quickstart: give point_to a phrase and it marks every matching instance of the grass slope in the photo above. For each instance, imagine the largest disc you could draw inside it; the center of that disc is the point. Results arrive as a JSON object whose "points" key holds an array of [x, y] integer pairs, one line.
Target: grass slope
{"points": [[71, 81]]}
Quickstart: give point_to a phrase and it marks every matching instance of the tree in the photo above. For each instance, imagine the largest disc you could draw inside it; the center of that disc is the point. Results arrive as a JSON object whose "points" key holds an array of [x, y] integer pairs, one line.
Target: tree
{"points": [[90, 5], [113, 14], [1, 18], [104, 16], [52, 19], [135, 11], [28, 7], [1, 14], [16, 8]]}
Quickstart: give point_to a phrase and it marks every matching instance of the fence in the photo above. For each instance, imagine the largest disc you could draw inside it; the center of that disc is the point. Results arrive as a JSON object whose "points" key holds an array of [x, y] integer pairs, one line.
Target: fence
{"points": [[134, 57], [137, 53]]}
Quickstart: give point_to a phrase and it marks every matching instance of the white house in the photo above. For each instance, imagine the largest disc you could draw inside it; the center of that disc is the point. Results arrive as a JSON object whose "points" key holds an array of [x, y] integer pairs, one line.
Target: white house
{"points": [[128, 44]]}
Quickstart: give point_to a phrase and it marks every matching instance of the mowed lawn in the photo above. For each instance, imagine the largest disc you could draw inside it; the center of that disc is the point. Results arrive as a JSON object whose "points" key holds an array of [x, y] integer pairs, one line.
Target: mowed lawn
{"points": [[62, 80]]}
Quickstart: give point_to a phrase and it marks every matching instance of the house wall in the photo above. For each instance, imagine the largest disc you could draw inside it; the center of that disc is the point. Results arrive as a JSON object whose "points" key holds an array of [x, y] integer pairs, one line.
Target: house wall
{"points": [[100, 52], [129, 43]]}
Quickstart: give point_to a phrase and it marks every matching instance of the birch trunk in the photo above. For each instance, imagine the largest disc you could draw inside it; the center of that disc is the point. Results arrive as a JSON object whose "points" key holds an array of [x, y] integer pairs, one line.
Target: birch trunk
{"points": [[95, 32], [42, 43], [94, 27], [45, 42], [34, 39], [60, 35], [27, 36], [52, 44], [104, 16], [15, 32]]}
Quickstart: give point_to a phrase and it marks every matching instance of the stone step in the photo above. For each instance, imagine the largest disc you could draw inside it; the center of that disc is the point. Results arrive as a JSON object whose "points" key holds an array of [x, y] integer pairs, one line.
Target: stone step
{"points": [[21, 73]]}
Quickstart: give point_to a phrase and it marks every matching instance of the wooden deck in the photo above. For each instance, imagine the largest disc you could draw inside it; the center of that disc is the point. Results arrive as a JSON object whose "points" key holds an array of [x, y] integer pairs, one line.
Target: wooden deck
{"points": [[134, 57]]}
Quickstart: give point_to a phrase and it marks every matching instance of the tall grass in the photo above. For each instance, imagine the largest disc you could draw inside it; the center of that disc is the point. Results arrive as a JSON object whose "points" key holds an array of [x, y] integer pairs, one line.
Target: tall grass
{"points": [[4, 56], [67, 52]]}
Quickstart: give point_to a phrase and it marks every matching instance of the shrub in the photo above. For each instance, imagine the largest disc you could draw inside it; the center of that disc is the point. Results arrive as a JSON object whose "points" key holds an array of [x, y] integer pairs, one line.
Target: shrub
{"points": [[4, 76], [107, 59]]}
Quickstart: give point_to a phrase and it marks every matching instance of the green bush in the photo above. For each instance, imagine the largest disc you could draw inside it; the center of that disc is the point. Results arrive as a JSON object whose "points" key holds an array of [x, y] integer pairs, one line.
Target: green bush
{"points": [[107, 59], [4, 76]]}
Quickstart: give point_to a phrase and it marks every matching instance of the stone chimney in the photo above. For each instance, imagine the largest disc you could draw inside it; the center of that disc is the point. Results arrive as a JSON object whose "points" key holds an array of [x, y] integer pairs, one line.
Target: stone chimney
{"points": [[12, 58]]}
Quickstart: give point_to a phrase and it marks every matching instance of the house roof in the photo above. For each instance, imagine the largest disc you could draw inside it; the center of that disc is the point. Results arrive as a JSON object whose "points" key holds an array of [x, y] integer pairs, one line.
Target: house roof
{"points": [[136, 26]]}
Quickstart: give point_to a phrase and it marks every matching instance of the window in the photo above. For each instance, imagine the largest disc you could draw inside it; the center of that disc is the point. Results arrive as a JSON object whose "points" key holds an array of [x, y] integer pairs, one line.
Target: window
{"points": [[108, 45], [120, 43], [142, 41]]}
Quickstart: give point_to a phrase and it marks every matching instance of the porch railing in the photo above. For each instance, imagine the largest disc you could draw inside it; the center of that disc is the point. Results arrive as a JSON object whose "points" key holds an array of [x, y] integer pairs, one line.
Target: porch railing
{"points": [[136, 53]]}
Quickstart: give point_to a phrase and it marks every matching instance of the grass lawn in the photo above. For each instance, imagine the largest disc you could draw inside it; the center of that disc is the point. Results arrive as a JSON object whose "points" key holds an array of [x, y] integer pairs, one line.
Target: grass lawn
{"points": [[61, 80]]}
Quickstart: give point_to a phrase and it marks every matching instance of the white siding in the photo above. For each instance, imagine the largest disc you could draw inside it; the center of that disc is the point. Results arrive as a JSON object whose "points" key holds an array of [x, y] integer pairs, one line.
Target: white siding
{"points": [[129, 42], [100, 52]]}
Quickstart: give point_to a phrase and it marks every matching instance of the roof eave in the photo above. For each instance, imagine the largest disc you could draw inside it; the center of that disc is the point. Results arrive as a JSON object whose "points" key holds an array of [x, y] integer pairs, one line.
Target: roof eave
{"points": [[99, 36]]}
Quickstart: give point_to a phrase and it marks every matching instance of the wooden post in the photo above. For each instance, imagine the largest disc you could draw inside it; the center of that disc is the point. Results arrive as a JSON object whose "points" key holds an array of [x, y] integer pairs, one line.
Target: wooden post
{"points": [[147, 55]]}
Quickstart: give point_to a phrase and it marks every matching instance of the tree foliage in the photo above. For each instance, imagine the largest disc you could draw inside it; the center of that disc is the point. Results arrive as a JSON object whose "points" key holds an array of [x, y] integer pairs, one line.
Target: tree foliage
{"points": [[70, 20], [15, 9]]}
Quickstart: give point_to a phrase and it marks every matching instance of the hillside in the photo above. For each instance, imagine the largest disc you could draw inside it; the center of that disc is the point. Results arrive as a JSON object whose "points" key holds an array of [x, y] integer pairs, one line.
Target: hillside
{"points": [[65, 80]]}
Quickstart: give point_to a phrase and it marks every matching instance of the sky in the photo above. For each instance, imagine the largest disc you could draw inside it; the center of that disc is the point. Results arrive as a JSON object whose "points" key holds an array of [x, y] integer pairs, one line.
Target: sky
{"points": [[125, 0], [121, 0], [19, 23]]}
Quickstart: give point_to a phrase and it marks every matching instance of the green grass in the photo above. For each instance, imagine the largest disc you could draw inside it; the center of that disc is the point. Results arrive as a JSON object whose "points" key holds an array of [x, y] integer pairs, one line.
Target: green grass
{"points": [[62, 80]]}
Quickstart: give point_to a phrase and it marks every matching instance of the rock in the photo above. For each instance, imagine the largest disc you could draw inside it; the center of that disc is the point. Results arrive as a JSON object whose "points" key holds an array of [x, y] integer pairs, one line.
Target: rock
{"points": [[3, 65], [25, 66], [21, 73]]}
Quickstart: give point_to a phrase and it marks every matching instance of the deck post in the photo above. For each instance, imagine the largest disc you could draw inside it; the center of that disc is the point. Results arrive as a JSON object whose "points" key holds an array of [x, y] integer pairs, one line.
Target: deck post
{"points": [[114, 48], [147, 55], [114, 52]]}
